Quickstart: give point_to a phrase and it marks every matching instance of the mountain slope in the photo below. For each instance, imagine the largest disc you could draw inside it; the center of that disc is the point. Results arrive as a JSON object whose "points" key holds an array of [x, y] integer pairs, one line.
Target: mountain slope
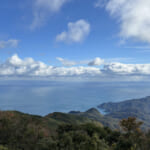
{"points": [[139, 108], [94, 114]]}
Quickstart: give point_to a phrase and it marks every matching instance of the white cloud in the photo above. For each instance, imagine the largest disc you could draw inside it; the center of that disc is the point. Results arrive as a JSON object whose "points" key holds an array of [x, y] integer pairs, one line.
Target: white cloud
{"points": [[129, 69], [66, 62], [12, 43], [96, 62], [28, 67], [77, 32], [43, 9], [15, 67], [133, 16]]}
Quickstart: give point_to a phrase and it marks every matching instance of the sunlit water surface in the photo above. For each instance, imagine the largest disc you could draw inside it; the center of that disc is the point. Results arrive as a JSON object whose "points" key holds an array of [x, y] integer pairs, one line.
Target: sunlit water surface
{"points": [[42, 97]]}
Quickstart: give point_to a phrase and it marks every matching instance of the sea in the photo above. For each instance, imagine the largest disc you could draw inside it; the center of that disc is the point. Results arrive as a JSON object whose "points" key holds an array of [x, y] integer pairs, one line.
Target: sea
{"points": [[44, 97]]}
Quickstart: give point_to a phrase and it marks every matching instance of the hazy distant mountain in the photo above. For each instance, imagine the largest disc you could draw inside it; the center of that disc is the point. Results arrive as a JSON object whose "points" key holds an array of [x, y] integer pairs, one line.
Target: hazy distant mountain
{"points": [[139, 108]]}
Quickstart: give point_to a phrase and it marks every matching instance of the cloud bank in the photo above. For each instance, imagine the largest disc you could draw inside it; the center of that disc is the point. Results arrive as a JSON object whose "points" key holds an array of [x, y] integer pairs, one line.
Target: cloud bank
{"points": [[133, 17], [77, 32], [42, 9], [28, 67], [15, 67]]}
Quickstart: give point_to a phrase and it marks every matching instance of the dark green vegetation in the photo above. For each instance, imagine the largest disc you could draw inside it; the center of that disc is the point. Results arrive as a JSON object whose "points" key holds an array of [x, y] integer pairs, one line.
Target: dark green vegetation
{"points": [[59, 131], [139, 108], [94, 114], [76, 130]]}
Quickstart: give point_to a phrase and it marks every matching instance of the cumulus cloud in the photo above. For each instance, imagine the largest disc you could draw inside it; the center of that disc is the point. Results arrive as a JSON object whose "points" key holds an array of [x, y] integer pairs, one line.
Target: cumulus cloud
{"points": [[12, 43], [77, 32], [130, 69], [15, 67], [96, 62], [133, 16], [66, 62], [43, 8]]}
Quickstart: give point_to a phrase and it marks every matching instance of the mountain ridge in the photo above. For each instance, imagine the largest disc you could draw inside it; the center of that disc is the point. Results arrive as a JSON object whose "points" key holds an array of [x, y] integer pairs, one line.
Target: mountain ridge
{"points": [[138, 108]]}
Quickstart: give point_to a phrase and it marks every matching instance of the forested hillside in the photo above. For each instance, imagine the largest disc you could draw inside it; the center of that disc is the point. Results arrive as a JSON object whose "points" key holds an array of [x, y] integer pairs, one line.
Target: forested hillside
{"points": [[139, 108], [58, 131]]}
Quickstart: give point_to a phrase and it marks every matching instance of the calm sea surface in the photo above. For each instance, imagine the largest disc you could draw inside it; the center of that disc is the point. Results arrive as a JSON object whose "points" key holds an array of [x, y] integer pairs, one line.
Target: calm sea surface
{"points": [[42, 97]]}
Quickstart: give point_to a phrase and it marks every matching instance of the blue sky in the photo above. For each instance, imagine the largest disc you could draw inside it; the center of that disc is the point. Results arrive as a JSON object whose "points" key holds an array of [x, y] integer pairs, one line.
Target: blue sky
{"points": [[110, 35]]}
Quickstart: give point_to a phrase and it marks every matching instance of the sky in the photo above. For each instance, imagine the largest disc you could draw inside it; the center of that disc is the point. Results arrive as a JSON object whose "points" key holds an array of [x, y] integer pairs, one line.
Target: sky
{"points": [[75, 40]]}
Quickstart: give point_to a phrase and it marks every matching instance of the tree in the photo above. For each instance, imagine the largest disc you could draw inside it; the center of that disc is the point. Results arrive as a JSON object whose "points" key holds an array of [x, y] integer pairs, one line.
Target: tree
{"points": [[131, 125], [133, 137]]}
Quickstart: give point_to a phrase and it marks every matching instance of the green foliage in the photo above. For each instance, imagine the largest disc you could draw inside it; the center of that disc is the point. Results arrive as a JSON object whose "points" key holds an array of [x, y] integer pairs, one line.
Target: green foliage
{"points": [[81, 137], [20, 131], [95, 115], [132, 137], [130, 125], [3, 147]]}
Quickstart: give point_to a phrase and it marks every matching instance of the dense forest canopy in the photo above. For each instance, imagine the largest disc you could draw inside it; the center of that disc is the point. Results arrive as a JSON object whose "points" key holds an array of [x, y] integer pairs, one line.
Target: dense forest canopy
{"points": [[60, 131]]}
